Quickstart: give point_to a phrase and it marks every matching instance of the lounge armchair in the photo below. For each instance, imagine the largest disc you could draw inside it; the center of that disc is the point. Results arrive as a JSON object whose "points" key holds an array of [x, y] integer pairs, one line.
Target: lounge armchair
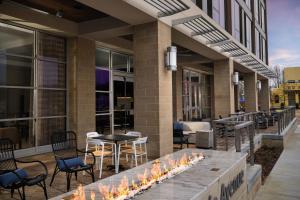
{"points": [[14, 178], [67, 158]]}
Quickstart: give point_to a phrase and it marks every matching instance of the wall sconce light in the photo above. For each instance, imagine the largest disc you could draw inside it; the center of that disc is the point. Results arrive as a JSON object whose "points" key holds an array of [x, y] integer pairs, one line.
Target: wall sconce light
{"points": [[235, 78], [59, 13], [171, 58], [258, 85]]}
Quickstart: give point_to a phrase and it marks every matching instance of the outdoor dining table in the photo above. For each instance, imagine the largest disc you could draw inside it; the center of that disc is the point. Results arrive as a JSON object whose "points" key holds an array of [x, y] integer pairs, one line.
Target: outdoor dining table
{"points": [[117, 139]]}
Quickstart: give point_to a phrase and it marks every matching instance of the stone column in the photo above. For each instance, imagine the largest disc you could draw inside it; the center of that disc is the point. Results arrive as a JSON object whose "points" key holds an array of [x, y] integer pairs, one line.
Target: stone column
{"points": [[81, 87], [251, 97], [223, 88], [264, 95], [153, 87]]}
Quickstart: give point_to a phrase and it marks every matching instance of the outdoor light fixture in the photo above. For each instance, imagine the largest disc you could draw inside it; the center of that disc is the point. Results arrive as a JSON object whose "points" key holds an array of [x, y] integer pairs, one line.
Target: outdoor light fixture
{"points": [[258, 85], [59, 13], [171, 58], [235, 78]]}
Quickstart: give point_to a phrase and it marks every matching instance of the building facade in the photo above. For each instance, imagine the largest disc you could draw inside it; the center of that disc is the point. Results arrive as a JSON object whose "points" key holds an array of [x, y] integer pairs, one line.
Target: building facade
{"points": [[100, 66], [288, 92]]}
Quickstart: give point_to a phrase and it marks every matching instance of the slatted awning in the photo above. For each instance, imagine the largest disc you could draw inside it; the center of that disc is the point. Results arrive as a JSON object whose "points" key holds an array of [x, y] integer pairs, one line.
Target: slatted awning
{"points": [[185, 15]]}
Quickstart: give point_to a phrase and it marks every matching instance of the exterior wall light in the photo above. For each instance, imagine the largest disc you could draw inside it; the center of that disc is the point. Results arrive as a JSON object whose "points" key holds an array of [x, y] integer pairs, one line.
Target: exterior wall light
{"points": [[171, 58], [258, 85], [235, 78]]}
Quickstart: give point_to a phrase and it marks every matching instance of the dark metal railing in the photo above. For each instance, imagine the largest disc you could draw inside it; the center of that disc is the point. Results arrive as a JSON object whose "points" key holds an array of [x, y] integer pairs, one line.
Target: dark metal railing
{"points": [[226, 127], [284, 118]]}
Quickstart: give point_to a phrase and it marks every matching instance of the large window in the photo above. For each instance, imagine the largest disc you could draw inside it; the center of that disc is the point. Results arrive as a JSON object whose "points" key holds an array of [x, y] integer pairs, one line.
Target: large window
{"points": [[218, 12], [114, 91], [248, 33], [236, 16], [32, 86]]}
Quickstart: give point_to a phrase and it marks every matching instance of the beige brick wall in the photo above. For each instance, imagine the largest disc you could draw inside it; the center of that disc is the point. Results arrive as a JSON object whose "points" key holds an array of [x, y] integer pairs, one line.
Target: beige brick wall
{"points": [[153, 87], [223, 88], [251, 95], [81, 85]]}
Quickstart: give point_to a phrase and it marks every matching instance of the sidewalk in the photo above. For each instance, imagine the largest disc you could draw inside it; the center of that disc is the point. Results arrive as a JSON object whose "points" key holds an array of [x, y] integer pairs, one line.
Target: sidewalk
{"points": [[284, 181]]}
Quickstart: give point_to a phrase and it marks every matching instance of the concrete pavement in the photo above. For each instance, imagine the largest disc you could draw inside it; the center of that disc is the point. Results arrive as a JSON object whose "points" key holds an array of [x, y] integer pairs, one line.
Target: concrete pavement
{"points": [[283, 182]]}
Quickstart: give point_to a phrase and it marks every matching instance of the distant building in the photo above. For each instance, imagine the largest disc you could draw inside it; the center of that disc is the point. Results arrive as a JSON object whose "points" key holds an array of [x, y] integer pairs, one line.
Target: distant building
{"points": [[288, 93]]}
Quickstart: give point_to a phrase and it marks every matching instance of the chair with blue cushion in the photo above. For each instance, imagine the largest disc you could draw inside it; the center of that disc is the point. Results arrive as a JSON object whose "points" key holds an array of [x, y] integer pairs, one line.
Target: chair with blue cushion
{"points": [[67, 156], [14, 178], [178, 136]]}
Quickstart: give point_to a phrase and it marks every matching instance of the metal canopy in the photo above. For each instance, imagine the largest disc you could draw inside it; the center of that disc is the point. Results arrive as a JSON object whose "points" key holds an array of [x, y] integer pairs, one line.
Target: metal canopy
{"points": [[201, 25], [168, 7]]}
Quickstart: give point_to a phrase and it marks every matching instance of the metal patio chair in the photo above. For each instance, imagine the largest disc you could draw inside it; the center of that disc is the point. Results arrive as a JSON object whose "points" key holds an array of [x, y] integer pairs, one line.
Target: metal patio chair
{"points": [[67, 156], [14, 178]]}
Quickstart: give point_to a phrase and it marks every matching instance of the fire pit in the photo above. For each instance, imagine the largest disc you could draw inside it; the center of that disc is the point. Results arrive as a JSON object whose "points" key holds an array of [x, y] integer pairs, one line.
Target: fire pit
{"points": [[180, 175]]}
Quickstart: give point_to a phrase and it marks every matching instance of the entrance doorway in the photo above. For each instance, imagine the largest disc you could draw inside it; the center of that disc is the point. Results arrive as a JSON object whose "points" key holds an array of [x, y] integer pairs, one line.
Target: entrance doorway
{"points": [[196, 96]]}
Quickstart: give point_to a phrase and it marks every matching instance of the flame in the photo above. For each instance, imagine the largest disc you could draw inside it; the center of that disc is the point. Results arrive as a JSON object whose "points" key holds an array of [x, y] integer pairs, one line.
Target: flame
{"points": [[123, 188], [93, 195], [157, 173], [143, 178]]}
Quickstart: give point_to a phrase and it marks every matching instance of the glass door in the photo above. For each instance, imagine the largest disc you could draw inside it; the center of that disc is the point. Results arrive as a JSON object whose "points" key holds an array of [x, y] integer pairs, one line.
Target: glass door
{"points": [[196, 96], [123, 103]]}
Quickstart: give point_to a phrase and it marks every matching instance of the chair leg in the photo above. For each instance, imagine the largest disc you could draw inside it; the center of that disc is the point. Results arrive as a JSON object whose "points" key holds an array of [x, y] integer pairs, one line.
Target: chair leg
{"points": [[54, 174], [44, 186], [76, 176], [69, 175], [135, 158], [12, 193], [100, 166], [23, 197], [92, 174]]}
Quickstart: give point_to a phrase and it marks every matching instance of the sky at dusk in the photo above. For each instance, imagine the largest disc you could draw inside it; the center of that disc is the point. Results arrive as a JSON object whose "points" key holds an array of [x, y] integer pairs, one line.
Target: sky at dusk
{"points": [[284, 32]]}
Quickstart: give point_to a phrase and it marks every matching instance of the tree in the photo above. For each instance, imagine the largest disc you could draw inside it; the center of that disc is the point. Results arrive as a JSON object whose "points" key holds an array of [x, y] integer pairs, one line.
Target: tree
{"points": [[279, 75]]}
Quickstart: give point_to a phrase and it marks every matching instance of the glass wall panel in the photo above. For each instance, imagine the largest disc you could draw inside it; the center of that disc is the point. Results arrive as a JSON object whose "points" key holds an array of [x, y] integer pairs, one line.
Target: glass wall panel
{"points": [[15, 40], [102, 58], [257, 43], [102, 80], [22, 104], [16, 71], [248, 34], [46, 127], [131, 69], [102, 102], [51, 103], [15, 103], [51, 47], [236, 20], [119, 62], [51, 74], [20, 132], [218, 11], [103, 124]]}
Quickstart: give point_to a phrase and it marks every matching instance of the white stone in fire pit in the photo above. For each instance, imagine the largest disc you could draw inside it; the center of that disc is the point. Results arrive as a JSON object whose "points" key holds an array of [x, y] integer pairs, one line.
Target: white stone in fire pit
{"points": [[204, 179]]}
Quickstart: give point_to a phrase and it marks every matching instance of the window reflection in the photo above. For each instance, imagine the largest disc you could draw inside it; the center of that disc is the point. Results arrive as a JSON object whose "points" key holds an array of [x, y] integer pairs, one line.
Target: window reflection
{"points": [[15, 40], [19, 132], [15, 103], [16, 71]]}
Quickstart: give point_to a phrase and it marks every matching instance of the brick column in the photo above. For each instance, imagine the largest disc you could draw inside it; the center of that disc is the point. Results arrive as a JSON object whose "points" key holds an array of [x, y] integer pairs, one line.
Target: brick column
{"points": [[251, 97], [177, 96], [264, 95], [223, 88], [81, 85], [153, 87]]}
